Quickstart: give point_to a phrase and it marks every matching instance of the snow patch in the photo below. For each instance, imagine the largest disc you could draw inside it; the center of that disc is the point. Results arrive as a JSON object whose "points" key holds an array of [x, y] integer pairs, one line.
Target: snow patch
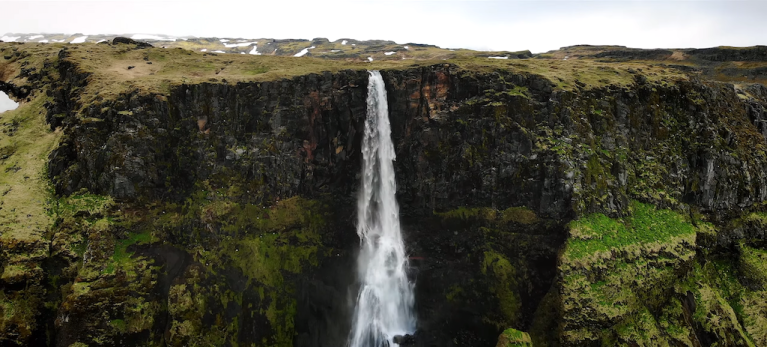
{"points": [[389, 53], [34, 37], [344, 42], [230, 45], [80, 39], [204, 50], [219, 52], [224, 40], [497, 57], [151, 37], [370, 58], [9, 38], [335, 50], [408, 48], [43, 41], [58, 40], [6, 103], [302, 53], [254, 51], [102, 40]]}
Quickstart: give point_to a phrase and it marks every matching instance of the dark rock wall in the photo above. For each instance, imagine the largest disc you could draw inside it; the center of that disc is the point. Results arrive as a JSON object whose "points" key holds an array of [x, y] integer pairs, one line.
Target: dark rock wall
{"points": [[297, 136]]}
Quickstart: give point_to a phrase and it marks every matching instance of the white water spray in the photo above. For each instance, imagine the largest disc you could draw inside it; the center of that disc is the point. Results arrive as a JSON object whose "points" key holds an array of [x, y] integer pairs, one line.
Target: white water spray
{"points": [[385, 301]]}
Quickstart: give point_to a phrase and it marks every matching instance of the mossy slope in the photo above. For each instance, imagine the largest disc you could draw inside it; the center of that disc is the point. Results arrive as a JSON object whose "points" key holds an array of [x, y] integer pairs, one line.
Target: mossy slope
{"points": [[638, 281]]}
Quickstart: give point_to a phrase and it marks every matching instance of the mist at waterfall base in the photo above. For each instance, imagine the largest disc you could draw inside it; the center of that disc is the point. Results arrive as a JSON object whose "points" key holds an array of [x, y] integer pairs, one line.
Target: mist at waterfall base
{"points": [[384, 306]]}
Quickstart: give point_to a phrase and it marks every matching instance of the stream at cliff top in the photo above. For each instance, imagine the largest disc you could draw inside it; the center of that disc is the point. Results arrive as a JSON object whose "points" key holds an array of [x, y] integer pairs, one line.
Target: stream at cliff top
{"points": [[384, 305], [6, 104]]}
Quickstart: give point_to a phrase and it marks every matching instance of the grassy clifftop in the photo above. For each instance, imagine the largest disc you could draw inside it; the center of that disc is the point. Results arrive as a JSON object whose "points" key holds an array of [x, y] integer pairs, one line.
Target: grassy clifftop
{"points": [[123, 68]]}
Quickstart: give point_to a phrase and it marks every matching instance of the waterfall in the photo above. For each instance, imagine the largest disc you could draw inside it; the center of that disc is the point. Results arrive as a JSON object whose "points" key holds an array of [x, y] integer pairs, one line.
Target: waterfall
{"points": [[385, 300]]}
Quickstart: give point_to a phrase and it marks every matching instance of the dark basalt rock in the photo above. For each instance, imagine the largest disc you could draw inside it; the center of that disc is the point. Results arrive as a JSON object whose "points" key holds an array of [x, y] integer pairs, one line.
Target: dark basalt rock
{"points": [[638, 54], [129, 41], [404, 340], [19, 92], [720, 54]]}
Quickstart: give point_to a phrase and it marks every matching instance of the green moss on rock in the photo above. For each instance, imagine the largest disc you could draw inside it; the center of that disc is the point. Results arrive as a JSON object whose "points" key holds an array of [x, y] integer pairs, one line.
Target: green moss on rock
{"points": [[514, 338], [753, 298], [272, 246], [753, 265], [614, 270], [503, 277], [522, 215]]}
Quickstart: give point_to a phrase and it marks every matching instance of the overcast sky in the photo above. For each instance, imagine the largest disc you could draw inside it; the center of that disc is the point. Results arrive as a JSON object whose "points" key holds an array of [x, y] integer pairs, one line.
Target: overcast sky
{"points": [[484, 25]]}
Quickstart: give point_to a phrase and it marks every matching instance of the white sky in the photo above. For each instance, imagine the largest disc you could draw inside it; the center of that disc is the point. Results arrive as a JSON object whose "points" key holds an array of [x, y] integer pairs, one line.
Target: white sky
{"points": [[484, 25]]}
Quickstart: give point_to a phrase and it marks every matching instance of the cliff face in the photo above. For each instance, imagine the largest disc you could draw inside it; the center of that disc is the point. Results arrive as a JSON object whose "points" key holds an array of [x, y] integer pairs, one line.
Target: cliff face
{"points": [[223, 213]]}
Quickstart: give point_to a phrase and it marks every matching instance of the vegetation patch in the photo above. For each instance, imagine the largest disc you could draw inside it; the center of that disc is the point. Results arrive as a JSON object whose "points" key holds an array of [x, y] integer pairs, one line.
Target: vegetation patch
{"points": [[24, 188], [753, 266], [25, 219], [615, 270], [279, 242], [719, 299], [514, 338], [503, 278], [597, 234]]}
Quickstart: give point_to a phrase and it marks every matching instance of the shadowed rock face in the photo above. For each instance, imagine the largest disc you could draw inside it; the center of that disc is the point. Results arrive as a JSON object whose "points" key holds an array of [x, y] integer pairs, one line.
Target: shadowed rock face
{"points": [[231, 219]]}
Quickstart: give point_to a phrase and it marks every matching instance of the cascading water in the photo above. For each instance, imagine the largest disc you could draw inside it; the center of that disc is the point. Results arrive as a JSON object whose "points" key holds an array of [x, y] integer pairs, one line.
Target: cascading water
{"points": [[385, 300]]}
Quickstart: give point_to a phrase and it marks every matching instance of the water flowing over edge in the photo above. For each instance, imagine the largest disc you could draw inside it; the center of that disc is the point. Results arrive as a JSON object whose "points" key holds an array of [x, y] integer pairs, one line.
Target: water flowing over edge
{"points": [[385, 301]]}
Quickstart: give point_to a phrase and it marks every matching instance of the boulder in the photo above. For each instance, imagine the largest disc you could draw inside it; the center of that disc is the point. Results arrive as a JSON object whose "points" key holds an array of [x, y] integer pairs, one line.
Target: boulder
{"points": [[404, 340]]}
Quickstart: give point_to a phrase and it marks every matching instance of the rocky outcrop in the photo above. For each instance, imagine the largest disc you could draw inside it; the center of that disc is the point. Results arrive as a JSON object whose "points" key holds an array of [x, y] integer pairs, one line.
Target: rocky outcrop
{"points": [[129, 41], [756, 53], [644, 54]]}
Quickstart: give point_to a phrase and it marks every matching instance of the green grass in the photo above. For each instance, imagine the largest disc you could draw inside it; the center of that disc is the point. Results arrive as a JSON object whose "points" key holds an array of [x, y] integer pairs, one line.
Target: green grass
{"points": [[82, 202], [501, 274], [24, 187], [718, 293], [753, 265], [514, 338], [121, 257], [614, 270], [599, 233], [109, 76]]}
